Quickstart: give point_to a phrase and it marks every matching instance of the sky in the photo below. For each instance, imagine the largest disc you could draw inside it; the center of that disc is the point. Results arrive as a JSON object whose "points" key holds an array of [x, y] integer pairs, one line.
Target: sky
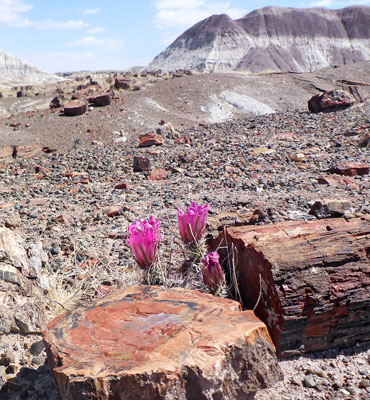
{"points": [[67, 35]]}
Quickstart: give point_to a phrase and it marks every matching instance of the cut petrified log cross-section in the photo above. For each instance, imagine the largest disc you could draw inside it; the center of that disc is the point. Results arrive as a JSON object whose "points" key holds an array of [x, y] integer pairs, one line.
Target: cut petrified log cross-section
{"points": [[146, 343], [315, 280], [75, 108]]}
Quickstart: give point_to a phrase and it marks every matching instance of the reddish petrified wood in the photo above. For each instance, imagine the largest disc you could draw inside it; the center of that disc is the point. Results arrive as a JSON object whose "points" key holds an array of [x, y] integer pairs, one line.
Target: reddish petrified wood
{"points": [[141, 164], [333, 99], [150, 139], [102, 100], [147, 343], [75, 108], [352, 169], [315, 279]]}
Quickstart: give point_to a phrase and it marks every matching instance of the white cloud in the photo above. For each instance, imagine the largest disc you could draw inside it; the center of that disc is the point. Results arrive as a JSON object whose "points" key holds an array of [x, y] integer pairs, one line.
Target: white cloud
{"points": [[337, 4], [49, 24], [64, 61], [11, 13], [94, 10], [94, 31], [10, 10], [91, 41], [179, 14], [321, 3]]}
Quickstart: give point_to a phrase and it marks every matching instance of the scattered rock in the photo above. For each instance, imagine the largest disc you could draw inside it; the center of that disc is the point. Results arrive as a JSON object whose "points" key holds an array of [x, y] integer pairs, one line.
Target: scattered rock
{"points": [[330, 208], [309, 381], [337, 180], [150, 139], [57, 102], [122, 185], [141, 164], [112, 211], [157, 174], [352, 169]]}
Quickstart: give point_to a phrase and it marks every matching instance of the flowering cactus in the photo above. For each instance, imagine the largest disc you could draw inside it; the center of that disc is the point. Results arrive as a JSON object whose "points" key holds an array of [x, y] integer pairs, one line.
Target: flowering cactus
{"points": [[144, 239], [213, 276], [192, 224]]}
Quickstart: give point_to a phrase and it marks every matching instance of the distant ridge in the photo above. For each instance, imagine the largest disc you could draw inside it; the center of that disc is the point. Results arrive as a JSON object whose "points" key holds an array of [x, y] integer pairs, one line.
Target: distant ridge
{"points": [[14, 71], [272, 39]]}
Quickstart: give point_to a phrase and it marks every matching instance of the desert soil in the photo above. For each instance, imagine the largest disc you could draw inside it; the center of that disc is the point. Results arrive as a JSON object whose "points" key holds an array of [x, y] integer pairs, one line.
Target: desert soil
{"points": [[64, 198]]}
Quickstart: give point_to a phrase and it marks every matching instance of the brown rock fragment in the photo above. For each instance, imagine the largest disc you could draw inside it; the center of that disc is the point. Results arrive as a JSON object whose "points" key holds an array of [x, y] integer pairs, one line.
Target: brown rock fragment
{"points": [[314, 280], [57, 102], [122, 83], [332, 100], [141, 164], [157, 174], [337, 180], [102, 100], [112, 211], [75, 108], [330, 208], [352, 169], [147, 343], [150, 139], [122, 185]]}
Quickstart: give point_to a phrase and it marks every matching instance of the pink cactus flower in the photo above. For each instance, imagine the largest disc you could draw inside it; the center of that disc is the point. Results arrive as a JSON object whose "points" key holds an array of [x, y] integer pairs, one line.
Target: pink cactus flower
{"points": [[144, 239], [213, 275], [192, 224]]}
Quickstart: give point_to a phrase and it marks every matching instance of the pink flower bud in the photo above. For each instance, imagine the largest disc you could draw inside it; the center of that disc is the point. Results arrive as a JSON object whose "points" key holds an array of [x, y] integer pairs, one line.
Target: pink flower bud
{"points": [[213, 275], [192, 224], [144, 239]]}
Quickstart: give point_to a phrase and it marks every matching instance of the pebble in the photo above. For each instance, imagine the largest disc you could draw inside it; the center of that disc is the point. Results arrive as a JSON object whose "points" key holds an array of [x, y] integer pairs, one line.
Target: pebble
{"points": [[308, 381], [364, 383]]}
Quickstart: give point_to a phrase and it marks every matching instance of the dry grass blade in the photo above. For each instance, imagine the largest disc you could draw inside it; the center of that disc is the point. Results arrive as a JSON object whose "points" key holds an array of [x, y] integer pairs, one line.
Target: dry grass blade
{"points": [[77, 283]]}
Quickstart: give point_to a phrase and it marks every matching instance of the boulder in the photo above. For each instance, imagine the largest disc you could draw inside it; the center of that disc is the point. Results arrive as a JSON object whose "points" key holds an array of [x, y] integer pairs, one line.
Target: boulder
{"points": [[147, 343], [309, 280], [75, 108], [332, 100]]}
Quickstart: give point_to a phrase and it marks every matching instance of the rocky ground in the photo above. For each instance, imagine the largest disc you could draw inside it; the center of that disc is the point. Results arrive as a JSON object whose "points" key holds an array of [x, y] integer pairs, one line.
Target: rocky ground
{"points": [[79, 199]]}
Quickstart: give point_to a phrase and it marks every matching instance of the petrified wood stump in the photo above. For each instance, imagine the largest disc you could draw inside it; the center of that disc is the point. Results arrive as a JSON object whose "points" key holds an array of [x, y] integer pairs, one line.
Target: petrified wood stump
{"points": [[146, 343], [75, 108], [315, 280]]}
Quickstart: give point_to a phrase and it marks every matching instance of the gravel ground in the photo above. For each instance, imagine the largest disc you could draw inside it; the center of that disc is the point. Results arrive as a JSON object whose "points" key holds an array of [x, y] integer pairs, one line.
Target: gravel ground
{"points": [[65, 199]]}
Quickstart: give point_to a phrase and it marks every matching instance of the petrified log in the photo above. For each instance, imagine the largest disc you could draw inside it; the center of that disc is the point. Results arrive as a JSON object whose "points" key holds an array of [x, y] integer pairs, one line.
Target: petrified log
{"points": [[332, 100], [146, 343], [74, 108], [10, 153], [314, 279], [102, 100]]}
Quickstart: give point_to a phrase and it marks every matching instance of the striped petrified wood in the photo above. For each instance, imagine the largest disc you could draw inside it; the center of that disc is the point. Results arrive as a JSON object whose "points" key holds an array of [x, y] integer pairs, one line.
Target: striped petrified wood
{"points": [[314, 279]]}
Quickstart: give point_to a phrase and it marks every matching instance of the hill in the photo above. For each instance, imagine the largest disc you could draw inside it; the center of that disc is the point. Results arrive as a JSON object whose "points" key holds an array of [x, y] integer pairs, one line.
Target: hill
{"points": [[272, 39]]}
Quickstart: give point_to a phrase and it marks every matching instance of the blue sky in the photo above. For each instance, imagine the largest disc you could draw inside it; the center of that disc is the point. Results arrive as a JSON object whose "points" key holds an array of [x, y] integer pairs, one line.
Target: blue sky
{"points": [[91, 35]]}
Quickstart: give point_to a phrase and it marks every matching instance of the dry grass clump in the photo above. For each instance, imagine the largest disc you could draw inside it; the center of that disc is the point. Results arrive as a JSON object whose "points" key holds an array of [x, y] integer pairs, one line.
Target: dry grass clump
{"points": [[77, 283]]}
